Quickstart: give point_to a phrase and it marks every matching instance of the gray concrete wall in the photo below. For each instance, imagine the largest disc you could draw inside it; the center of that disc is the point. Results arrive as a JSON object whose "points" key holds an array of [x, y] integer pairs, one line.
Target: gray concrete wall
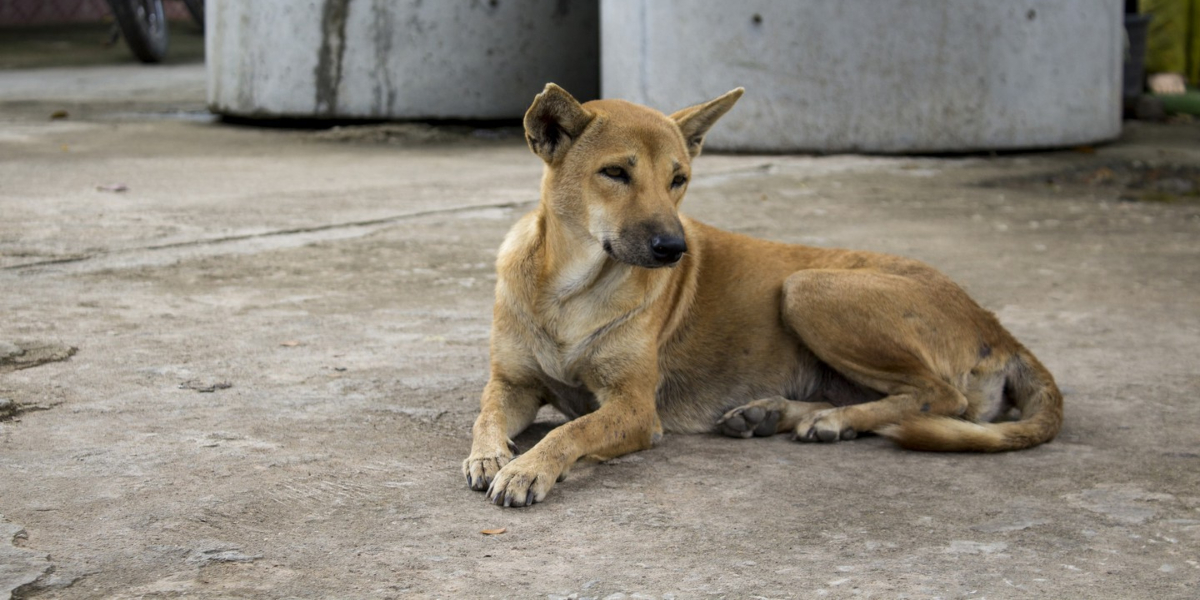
{"points": [[866, 75], [383, 59]]}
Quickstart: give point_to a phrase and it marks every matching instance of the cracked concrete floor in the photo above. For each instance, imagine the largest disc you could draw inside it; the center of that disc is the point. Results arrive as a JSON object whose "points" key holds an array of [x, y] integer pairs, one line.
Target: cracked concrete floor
{"points": [[280, 341]]}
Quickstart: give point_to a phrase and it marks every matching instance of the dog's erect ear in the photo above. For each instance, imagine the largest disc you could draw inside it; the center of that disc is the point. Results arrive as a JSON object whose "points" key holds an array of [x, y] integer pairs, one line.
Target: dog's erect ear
{"points": [[695, 121], [554, 121]]}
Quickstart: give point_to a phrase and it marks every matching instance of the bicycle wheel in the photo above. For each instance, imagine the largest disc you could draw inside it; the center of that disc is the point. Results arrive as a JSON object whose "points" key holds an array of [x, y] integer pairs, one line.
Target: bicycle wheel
{"points": [[196, 9], [144, 26]]}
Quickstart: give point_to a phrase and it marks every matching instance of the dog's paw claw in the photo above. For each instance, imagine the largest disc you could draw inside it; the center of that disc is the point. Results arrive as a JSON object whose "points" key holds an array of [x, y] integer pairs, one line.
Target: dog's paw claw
{"points": [[747, 421], [825, 426], [808, 435], [481, 470], [523, 482]]}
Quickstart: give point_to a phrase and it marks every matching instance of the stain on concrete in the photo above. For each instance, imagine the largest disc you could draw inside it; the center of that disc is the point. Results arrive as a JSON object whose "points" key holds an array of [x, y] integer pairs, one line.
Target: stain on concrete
{"points": [[329, 58], [205, 387], [15, 356], [19, 567], [382, 26], [219, 552], [1126, 504], [1129, 181], [418, 134], [1014, 518], [970, 547]]}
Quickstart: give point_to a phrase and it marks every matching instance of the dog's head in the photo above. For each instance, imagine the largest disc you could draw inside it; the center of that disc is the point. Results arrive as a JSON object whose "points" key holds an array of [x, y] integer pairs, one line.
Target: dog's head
{"points": [[618, 171]]}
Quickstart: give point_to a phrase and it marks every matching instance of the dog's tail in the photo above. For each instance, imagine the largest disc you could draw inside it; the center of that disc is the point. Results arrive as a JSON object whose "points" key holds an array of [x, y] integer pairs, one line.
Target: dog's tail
{"points": [[1032, 390]]}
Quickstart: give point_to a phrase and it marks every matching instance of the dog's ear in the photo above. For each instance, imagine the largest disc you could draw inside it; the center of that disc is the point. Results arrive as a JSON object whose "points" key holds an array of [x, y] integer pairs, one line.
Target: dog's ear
{"points": [[553, 121], [695, 121]]}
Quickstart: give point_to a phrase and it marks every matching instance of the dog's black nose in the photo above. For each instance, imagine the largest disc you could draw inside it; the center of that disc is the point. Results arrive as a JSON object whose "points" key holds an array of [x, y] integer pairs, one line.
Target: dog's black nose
{"points": [[667, 248]]}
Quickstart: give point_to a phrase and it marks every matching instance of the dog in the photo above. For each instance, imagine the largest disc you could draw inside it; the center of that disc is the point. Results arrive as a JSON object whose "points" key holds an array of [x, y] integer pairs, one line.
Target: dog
{"points": [[632, 319]]}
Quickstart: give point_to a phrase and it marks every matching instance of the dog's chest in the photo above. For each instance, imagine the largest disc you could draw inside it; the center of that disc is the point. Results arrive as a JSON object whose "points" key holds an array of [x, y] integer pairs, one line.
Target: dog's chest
{"points": [[566, 318], [564, 342], [572, 401], [574, 315], [562, 356]]}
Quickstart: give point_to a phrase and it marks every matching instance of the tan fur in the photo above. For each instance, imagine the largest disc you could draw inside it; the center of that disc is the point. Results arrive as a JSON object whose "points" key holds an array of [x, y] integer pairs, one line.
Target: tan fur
{"points": [[743, 336]]}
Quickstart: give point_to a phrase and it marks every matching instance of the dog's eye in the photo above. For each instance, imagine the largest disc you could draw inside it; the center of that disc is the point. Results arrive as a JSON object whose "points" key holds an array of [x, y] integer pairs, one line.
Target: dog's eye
{"points": [[617, 173], [679, 181]]}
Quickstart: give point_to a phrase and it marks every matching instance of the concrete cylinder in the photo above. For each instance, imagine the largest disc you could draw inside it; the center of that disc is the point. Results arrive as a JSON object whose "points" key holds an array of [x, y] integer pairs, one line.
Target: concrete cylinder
{"points": [[381, 59], [866, 75]]}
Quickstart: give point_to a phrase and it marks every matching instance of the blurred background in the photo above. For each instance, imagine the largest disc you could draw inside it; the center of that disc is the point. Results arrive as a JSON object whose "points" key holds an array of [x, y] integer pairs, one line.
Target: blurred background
{"points": [[51, 33], [896, 77]]}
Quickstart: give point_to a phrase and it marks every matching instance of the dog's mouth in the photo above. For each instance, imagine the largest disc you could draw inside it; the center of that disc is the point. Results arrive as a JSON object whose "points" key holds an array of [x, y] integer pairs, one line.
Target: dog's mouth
{"points": [[655, 254]]}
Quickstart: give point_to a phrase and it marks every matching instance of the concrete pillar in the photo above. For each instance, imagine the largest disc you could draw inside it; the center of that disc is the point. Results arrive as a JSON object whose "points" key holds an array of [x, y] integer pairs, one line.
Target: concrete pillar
{"points": [[378, 59], [875, 76]]}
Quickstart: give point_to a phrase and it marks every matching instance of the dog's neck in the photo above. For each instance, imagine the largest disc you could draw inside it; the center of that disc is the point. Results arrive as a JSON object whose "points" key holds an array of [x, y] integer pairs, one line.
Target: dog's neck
{"points": [[574, 262], [571, 295]]}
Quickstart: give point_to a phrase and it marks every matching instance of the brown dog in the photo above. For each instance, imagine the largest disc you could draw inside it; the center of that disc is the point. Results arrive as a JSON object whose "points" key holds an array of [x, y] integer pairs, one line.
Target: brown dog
{"points": [[632, 320]]}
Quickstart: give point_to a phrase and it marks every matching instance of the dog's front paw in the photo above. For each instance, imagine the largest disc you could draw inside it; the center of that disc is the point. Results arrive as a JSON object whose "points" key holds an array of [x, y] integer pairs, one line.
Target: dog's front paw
{"points": [[760, 418], [824, 426], [522, 482], [480, 468]]}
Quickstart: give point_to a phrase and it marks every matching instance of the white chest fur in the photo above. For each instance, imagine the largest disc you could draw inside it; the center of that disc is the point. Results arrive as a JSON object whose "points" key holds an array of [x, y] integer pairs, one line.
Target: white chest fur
{"points": [[587, 299], [575, 313]]}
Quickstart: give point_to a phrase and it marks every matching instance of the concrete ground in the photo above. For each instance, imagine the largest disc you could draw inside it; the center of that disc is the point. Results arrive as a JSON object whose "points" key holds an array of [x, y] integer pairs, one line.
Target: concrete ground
{"points": [[243, 363]]}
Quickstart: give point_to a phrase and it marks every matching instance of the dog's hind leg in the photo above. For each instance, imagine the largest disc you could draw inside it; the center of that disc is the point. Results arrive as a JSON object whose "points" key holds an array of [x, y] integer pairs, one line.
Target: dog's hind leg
{"points": [[905, 398], [767, 416], [910, 337], [826, 389]]}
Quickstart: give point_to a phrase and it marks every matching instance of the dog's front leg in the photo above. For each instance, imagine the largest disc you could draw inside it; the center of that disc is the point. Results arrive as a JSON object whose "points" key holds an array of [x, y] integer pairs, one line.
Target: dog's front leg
{"points": [[627, 421], [506, 409]]}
